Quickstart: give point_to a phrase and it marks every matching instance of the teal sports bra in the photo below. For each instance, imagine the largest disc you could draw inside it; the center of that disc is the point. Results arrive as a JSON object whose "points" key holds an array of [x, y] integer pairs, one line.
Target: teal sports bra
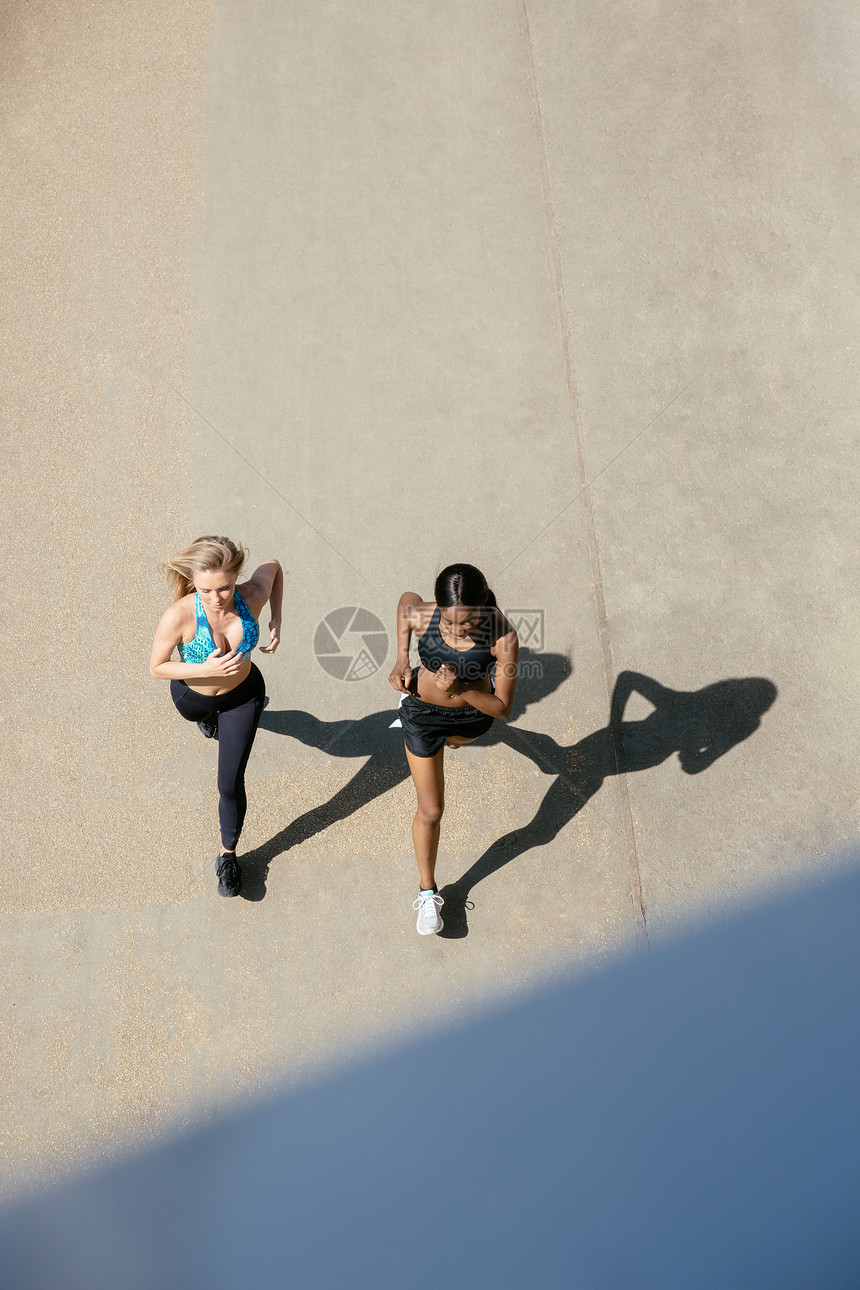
{"points": [[198, 650]]}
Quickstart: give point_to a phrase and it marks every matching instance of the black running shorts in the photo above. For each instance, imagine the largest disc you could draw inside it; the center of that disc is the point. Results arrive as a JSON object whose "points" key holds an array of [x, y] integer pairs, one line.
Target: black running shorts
{"points": [[426, 726]]}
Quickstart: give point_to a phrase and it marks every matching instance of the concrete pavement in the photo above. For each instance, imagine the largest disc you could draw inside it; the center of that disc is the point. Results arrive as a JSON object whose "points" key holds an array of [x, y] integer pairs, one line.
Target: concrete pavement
{"points": [[558, 290]]}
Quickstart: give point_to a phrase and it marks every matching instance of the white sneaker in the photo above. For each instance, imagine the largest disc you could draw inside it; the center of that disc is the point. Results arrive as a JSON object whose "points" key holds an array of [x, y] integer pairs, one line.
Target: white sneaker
{"points": [[428, 905]]}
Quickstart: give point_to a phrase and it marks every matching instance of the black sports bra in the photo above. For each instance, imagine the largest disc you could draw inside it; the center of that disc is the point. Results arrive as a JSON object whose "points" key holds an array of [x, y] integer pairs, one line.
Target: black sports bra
{"points": [[469, 664]]}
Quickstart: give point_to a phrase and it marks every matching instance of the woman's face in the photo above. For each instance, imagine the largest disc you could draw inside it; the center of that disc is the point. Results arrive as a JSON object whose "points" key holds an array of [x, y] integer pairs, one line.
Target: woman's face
{"points": [[461, 620], [215, 588]]}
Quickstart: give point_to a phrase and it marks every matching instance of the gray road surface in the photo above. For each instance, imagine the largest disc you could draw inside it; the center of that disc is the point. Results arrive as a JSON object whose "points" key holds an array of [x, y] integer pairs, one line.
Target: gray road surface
{"points": [[562, 290]]}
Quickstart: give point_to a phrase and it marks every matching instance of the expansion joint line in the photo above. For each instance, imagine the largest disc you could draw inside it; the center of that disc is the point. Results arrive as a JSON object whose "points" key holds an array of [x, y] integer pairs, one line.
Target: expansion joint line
{"points": [[607, 662]]}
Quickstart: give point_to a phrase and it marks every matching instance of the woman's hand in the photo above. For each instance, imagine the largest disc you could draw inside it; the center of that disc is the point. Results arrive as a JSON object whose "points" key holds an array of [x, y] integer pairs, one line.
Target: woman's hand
{"points": [[218, 664], [445, 679], [401, 674], [274, 637]]}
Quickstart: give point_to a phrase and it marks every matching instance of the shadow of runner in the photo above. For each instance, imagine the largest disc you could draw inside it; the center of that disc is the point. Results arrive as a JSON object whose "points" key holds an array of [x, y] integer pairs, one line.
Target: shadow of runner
{"points": [[698, 725], [386, 767]]}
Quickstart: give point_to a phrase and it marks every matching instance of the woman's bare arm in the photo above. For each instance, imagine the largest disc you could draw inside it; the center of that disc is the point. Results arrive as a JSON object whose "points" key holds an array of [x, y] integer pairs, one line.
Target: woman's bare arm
{"points": [[408, 619], [507, 658], [267, 584]]}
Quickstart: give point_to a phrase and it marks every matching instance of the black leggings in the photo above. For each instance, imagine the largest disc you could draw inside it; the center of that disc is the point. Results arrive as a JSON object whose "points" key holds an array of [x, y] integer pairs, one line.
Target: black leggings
{"points": [[238, 712]]}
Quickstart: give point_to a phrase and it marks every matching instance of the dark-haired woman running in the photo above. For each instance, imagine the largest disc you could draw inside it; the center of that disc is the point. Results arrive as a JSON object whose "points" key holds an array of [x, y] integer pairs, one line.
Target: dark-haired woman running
{"points": [[464, 642]]}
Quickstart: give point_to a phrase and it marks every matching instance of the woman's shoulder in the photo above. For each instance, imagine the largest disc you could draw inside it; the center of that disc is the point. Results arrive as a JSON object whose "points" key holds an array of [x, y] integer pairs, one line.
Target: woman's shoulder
{"points": [[418, 612], [503, 629], [260, 583], [253, 595], [179, 615]]}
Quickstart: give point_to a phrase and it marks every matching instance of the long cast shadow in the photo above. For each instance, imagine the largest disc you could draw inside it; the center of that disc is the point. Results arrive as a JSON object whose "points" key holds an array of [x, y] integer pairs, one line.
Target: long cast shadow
{"points": [[386, 764], [698, 725]]}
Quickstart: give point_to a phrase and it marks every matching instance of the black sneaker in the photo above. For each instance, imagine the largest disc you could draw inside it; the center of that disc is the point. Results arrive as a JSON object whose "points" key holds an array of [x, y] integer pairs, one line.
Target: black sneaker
{"points": [[229, 876], [209, 729]]}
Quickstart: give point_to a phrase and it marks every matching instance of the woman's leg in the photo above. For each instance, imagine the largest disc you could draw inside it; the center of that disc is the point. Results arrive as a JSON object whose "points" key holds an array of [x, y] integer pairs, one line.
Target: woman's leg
{"points": [[236, 730], [191, 705], [429, 779]]}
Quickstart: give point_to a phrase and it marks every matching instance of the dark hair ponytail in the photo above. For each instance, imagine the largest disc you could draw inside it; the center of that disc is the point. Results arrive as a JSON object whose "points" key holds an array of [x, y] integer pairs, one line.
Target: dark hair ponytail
{"points": [[462, 584]]}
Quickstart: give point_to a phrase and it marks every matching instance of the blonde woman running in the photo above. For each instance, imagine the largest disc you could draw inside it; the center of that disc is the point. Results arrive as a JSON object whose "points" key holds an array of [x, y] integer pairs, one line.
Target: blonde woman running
{"points": [[212, 625]]}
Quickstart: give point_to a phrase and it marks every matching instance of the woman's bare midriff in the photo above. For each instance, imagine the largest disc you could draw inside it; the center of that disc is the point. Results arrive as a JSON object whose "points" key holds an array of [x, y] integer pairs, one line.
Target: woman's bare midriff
{"points": [[224, 687], [430, 693]]}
